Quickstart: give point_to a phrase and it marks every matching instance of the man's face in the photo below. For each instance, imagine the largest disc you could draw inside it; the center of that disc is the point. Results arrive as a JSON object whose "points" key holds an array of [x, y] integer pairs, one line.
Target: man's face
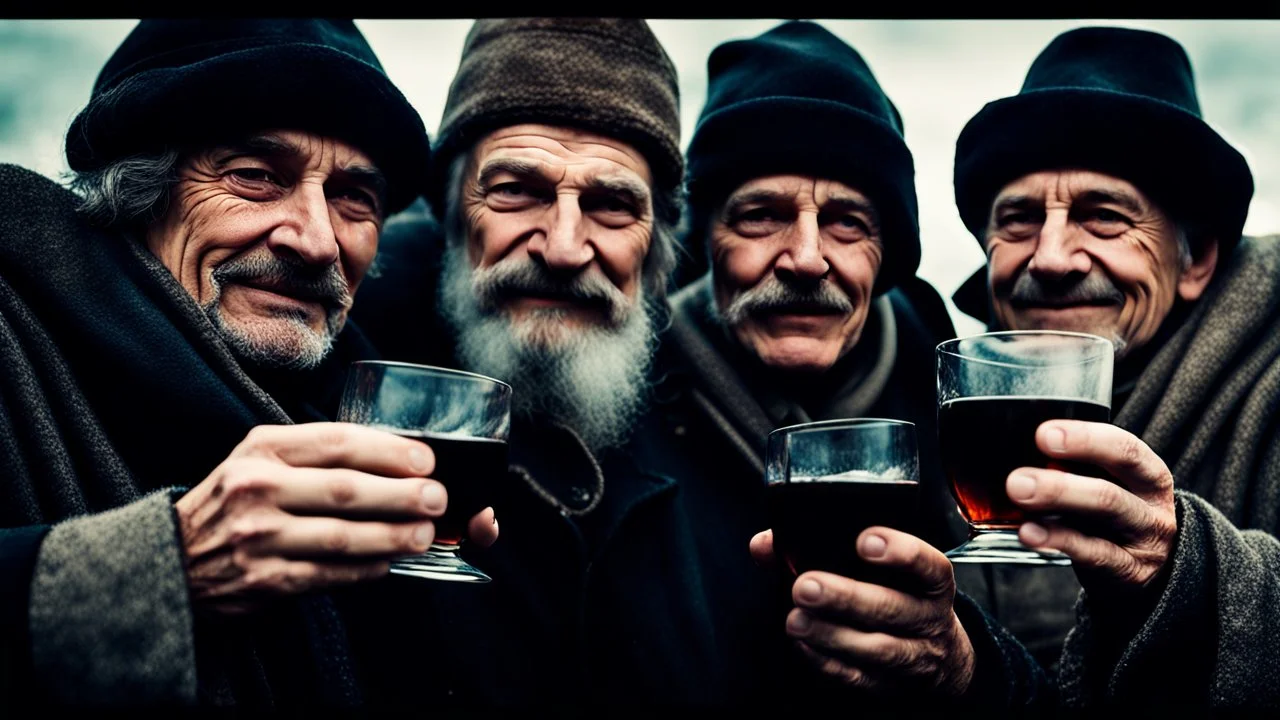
{"points": [[572, 211], [547, 235], [794, 262], [1081, 251], [271, 236]]}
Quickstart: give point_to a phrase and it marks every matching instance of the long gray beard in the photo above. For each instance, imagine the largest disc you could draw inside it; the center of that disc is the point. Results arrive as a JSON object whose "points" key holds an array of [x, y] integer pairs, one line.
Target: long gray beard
{"points": [[592, 379]]}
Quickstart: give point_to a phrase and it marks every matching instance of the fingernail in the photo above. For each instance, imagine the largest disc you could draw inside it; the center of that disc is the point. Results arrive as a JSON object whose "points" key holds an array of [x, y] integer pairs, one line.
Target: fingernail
{"points": [[433, 497], [799, 623], [1021, 487], [873, 546], [418, 459], [1056, 439], [809, 590], [423, 535], [1033, 534], [495, 521]]}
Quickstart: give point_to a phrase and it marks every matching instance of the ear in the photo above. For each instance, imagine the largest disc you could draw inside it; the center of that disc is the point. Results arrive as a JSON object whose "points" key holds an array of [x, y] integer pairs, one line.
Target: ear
{"points": [[1195, 278]]}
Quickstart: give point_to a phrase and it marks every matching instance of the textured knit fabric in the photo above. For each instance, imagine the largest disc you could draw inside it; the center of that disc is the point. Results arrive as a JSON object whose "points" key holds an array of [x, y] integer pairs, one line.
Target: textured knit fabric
{"points": [[117, 386], [1207, 404], [799, 100], [609, 76], [1210, 642]]}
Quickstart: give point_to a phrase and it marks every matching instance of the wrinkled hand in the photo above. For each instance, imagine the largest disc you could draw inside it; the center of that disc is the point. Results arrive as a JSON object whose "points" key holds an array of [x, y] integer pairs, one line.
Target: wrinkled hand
{"points": [[888, 640], [298, 507], [1119, 535]]}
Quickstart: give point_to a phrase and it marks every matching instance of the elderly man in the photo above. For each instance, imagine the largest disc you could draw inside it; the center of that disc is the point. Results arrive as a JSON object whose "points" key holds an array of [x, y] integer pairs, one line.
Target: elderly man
{"points": [[1107, 205], [811, 309], [163, 329], [626, 578]]}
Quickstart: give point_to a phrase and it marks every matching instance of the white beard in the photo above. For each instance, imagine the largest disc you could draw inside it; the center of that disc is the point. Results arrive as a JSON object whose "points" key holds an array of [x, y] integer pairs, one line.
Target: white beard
{"points": [[592, 379]]}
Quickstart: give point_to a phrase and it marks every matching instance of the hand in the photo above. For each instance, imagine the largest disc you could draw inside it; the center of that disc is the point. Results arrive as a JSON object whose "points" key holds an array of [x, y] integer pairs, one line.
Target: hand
{"points": [[879, 638], [1119, 535], [298, 507]]}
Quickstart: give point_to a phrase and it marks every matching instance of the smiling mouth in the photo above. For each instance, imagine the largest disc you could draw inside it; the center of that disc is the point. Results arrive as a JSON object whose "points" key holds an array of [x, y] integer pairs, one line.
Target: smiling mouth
{"points": [[302, 298], [1051, 305], [800, 310]]}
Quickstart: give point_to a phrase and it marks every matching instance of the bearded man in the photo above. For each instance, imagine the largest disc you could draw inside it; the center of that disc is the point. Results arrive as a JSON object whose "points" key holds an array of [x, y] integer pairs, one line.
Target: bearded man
{"points": [[626, 579]]}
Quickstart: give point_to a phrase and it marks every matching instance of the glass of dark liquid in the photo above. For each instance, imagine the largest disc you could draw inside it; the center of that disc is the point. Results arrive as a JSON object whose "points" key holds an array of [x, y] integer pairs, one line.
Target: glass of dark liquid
{"points": [[465, 418], [994, 390], [828, 481]]}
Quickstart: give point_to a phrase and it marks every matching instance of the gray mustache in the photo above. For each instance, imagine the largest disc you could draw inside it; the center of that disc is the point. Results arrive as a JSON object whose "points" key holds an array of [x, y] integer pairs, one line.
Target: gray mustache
{"points": [[325, 284], [774, 295], [514, 278], [1093, 288]]}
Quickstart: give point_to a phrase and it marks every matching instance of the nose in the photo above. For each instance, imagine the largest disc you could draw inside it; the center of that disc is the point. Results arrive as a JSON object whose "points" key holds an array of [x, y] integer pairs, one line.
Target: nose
{"points": [[563, 243], [802, 257], [307, 232], [1059, 249]]}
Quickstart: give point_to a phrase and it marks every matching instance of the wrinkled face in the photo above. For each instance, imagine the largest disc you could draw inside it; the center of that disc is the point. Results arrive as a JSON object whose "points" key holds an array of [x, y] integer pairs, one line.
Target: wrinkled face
{"points": [[271, 236], [546, 237], [1085, 252], [560, 220], [794, 261]]}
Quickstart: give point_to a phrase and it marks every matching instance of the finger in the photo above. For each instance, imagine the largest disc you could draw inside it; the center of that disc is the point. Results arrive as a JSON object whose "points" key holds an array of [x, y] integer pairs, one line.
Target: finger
{"points": [[873, 608], [1108, 508], [921, 567], [280, 576], [345, 445], [867, 650], [1120, 453], [483, 528], [835, 668], [323, 537], [1089, 554], [761, 548], [333, 491]]}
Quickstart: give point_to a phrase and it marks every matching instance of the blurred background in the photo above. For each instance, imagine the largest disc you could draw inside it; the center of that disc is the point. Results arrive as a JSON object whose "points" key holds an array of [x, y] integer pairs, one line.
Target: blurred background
{"points": [[939, 73]]}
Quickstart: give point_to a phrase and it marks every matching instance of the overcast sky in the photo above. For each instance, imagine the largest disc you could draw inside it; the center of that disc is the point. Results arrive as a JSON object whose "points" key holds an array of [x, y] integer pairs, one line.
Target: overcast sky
{"points": [[938, 73]]}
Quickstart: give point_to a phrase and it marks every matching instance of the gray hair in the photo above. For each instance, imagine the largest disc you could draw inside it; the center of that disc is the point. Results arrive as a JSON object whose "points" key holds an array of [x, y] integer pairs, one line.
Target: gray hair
{"points": [[1183, 237], [658, 263], [129, 192]]}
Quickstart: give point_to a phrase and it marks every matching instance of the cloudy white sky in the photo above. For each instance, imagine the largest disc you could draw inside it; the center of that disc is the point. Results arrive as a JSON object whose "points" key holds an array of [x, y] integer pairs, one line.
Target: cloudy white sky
{"points": [[938, 73]]}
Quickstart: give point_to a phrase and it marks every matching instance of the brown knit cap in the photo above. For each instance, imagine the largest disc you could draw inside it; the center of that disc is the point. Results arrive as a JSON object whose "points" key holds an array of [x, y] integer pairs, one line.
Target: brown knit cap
{"points": [[609, 76]]}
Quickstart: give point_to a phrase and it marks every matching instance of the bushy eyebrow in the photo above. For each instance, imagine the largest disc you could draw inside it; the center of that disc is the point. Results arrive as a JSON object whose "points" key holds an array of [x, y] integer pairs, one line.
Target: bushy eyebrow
{"points": [[622, 187], [1124, 199], [514, 166], [855, 204], [753, 197], [628, 189], [272, 146]]}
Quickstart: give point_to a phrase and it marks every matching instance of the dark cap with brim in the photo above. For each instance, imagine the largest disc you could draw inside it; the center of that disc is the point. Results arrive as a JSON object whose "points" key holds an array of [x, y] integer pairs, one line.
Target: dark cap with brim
{"points": [[172, 85], [1116, 101]]}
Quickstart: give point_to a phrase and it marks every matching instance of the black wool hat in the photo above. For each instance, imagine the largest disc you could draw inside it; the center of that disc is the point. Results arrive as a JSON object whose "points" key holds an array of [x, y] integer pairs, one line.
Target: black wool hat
{"points": [[799, 100], [1117, 101], [175, 83]]}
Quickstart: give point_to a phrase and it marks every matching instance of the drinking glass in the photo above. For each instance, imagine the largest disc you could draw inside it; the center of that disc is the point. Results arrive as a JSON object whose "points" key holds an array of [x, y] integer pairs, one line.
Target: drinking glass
{"points": [[828, 481], [994, 390], [465, 418]]}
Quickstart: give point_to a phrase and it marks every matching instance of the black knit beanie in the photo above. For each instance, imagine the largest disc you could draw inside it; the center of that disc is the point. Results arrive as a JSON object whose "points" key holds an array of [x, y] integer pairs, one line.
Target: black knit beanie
{"points": [[799, 100], [183, 82], [609, 76], [1117, 101]]}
